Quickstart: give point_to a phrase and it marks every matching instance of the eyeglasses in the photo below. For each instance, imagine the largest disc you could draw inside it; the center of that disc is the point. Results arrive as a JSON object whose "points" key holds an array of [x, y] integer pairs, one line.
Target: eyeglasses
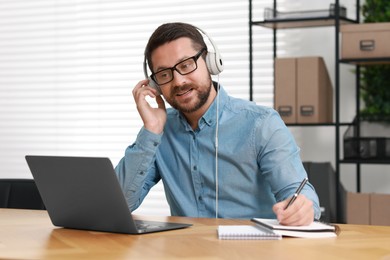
{"points": [[183, 68]]}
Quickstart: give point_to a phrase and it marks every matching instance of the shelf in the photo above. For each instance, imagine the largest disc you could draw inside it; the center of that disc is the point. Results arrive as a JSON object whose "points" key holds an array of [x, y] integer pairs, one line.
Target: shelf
{"points": [[303, 22], [367, 61], [315, 19], [366, 161], [318, 124]]}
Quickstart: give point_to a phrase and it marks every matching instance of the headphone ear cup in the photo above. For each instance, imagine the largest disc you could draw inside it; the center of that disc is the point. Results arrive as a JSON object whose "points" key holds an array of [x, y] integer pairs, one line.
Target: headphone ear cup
{"points": [[214, 63], [154, 85]]}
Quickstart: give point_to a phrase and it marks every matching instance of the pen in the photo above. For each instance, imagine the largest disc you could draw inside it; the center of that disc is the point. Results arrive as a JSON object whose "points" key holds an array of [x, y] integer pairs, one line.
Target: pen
{"points": [[294, 197]]}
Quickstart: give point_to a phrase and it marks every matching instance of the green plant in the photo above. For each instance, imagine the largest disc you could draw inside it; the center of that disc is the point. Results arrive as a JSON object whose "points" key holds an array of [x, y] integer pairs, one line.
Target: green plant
{"points": [[375, 79]]}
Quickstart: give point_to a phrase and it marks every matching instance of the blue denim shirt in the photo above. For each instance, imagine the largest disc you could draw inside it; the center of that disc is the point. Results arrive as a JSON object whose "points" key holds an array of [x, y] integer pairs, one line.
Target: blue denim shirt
{"points": [[258, 163]]}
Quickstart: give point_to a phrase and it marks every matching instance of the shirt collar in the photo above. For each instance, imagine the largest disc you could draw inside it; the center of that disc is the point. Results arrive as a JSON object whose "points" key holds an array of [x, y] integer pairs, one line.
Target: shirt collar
{"points": [[209, 117]]}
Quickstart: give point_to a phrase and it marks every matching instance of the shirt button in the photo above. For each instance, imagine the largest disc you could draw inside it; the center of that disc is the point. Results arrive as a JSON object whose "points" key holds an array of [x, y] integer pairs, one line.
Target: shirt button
{"points": [[155, 143], [200, 198], [141, 173], [195, 168]]}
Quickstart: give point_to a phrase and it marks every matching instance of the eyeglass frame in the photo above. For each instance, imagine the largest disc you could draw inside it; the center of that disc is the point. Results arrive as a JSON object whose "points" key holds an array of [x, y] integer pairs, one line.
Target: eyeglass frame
{"points": [[172, 69]]}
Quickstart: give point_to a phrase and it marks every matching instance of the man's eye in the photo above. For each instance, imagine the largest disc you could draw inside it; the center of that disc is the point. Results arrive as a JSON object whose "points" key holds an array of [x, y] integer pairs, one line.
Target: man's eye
{"points": [[163, 75], [186, 65]]}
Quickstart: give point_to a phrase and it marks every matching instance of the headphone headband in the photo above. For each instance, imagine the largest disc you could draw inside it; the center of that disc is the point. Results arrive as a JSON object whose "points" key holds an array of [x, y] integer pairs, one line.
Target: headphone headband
{"points": [[213, 59]]}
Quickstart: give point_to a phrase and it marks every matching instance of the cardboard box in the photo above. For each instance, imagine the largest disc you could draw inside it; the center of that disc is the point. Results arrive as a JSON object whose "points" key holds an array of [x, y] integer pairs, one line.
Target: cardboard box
{"points": [[303, 90], [286, 89], [367, 208], [380, 209], [368, 40], [357, 208], [315, 93]]}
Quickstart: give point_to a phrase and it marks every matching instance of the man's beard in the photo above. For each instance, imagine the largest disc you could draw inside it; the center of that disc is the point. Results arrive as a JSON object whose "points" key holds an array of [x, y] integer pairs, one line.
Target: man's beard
{"points": [[202, 97]]}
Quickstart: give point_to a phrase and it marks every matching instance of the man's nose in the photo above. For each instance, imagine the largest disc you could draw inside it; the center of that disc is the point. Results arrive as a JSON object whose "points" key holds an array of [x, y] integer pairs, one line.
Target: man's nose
{"points": [[178, 79]]}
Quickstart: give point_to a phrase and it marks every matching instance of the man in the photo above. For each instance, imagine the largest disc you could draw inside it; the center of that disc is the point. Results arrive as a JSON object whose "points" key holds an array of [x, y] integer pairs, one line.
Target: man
{"points": [[259, 168]]}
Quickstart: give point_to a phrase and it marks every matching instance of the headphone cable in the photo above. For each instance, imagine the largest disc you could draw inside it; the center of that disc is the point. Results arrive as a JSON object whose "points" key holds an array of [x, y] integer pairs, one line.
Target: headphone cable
{"points": [[216, 152]]}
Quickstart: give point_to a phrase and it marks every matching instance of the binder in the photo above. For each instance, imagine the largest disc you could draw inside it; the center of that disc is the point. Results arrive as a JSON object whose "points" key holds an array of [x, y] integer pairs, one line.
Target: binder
{"points": [[314, 230]]}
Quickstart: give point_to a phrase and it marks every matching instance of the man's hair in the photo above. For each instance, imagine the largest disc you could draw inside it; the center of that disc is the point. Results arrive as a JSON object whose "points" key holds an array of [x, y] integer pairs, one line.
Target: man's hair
{"points": [[168, 32]]}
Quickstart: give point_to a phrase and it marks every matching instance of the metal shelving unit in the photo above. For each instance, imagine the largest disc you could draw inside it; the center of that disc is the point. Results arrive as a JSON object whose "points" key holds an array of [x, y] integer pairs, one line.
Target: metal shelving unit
{"points": [[335, 21]]}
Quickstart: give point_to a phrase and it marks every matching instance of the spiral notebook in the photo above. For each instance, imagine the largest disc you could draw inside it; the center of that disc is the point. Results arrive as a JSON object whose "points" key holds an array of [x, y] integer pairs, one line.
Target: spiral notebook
{"points": [[243, 232]]}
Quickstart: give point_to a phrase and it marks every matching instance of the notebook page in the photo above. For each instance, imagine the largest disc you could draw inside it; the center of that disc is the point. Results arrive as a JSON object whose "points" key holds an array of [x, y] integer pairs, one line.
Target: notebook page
{"points": [[246, 232]]}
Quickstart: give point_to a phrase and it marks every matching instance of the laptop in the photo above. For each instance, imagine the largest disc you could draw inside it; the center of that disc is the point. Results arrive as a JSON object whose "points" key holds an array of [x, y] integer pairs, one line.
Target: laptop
{"points": [[84, 193]]}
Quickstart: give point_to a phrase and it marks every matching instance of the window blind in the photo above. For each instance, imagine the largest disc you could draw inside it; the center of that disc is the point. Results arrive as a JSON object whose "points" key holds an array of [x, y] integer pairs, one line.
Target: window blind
{"points": [[67, 69]]}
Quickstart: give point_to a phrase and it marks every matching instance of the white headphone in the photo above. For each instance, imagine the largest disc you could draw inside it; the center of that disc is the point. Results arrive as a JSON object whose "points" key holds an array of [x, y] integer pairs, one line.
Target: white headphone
{"points": [[213, 62], [213, 59]]}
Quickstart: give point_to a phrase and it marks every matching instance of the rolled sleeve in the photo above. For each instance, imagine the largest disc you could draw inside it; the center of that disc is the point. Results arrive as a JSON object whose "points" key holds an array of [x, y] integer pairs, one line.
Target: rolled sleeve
{"points": [[136, 171], [280, 162]]}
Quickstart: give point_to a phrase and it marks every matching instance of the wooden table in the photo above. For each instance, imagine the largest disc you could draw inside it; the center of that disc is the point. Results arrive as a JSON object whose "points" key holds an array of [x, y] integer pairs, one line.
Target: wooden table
{"points": [[29, 234]]}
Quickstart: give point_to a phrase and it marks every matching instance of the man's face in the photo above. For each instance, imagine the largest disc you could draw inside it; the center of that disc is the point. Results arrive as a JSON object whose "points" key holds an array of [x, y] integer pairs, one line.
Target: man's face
{"points": [[186, 93]]}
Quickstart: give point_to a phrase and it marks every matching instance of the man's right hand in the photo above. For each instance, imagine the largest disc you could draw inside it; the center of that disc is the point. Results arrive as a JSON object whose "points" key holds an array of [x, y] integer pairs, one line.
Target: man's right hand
{"points": [[154, 119]]}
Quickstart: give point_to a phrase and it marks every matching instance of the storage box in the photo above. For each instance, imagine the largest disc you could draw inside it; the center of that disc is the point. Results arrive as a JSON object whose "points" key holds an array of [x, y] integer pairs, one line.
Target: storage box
{"points": [[303, 90], [367, 208], [373, 141], [367, 148], [271, 14], [286, 89], [315, 93], [380, 209], [357, 208], [368, 40]]}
